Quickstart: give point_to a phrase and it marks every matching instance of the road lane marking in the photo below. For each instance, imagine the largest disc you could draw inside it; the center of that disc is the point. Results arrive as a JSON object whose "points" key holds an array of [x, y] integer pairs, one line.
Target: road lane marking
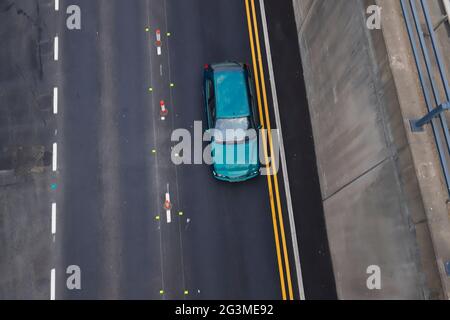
{"points": [[275, 174], [53, 218], [55, 100], [56, 5], [269, 181], [55, 157], [56, 48], [52, 284], [282, 153]]}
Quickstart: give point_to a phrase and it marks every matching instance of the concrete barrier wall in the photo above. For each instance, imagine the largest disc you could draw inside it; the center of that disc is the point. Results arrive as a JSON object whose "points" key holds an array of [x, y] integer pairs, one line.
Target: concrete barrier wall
{"points": [[373, 206]]}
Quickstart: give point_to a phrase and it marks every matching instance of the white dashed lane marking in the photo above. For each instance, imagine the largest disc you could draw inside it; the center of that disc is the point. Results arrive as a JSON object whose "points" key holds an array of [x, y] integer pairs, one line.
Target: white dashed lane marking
{"points": [[56, 44], [52, 284], [55, 157], [55, 160], [55, 100], [53, 218]]}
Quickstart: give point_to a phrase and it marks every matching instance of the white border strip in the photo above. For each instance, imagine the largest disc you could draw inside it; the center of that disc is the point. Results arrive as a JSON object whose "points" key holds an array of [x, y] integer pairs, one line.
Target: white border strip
{"points": [[56, 5], [283, 154]]}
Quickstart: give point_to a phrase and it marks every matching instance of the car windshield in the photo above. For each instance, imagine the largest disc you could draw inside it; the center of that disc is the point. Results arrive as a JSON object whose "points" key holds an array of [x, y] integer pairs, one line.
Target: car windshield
{"points": [[232, 130]]}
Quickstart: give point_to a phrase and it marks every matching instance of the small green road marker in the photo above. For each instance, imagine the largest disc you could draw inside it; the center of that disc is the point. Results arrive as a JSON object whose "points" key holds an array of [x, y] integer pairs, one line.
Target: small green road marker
{"points": [[157, 217], [172, 85], [147, 29], [169, 34], [54, 186], [150, 89], [186, 292], [154, 151], [161, 292], [180, 213]]}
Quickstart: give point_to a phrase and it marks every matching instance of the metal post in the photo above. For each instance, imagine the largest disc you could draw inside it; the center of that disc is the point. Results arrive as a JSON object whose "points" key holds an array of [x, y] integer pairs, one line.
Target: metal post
{"points": [[417, 125]]}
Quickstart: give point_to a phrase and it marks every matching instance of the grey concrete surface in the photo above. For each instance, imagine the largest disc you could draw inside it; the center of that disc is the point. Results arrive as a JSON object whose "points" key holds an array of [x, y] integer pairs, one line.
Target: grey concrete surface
{"points": [[373, 206], [366, 226], [26, 131]]}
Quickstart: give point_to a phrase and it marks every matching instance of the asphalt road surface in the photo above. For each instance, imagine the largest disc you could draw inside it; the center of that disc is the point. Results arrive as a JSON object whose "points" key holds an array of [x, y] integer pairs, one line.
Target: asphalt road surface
{"points": [[111, 168]]}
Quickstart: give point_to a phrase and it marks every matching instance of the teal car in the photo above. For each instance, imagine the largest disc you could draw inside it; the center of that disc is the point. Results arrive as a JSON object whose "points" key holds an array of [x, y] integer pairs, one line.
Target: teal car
{"points": [[232, 121]]}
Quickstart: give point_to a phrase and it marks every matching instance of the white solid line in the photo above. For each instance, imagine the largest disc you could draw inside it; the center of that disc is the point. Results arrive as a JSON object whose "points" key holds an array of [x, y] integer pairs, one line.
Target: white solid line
{"points": [[53, 218], [282, 154], [56, 44], [56, 5], [55, 100], [52, 284], [55, 157]]}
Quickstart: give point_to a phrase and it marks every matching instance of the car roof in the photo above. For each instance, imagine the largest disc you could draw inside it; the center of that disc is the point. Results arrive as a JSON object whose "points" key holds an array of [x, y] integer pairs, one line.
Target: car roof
{"points": [[232, 99]]}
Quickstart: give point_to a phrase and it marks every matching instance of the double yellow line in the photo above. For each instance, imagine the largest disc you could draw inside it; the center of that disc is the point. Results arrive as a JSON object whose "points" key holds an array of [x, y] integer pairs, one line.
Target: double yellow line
{"points": [[277, 213]]}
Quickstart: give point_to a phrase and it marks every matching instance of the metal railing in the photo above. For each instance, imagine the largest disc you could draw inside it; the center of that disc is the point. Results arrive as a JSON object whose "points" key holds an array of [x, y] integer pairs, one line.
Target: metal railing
{"points": [[432, 75]]}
